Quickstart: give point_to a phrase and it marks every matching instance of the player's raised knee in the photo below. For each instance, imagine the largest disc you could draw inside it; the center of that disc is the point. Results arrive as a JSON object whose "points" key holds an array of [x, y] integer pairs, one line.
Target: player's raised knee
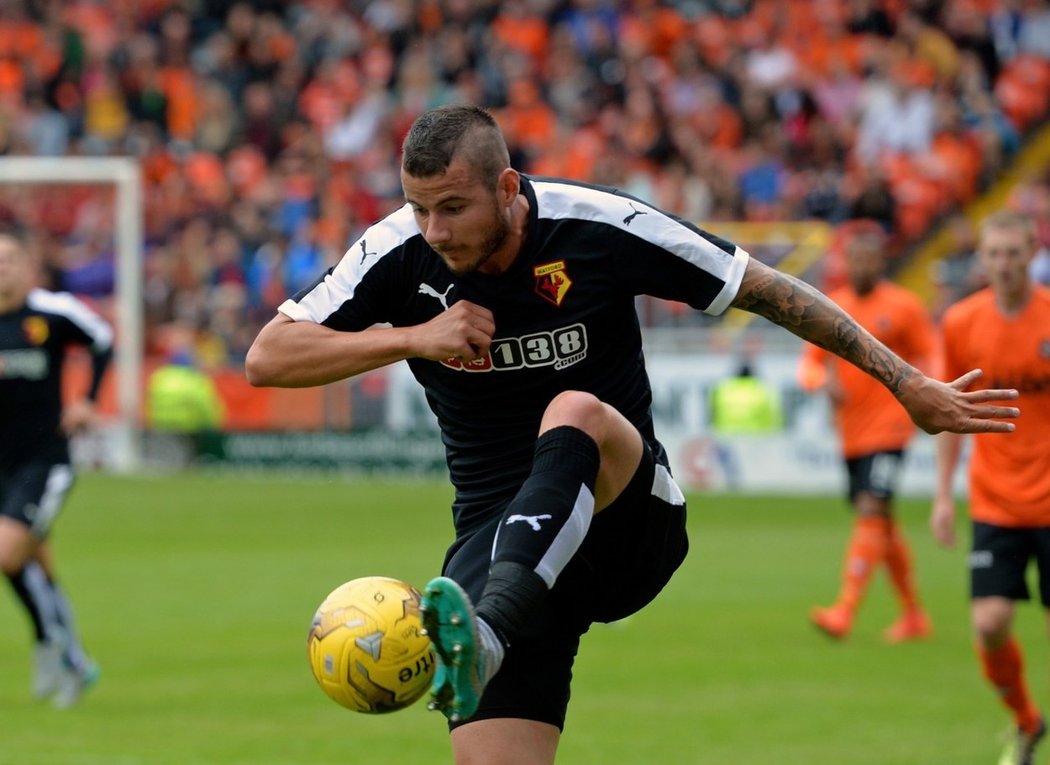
{"points": [[577, 409]]}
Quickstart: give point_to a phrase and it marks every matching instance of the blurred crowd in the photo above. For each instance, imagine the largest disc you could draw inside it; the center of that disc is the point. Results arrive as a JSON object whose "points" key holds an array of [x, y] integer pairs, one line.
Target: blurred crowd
{"points": [[959, 274], [268, 132]]}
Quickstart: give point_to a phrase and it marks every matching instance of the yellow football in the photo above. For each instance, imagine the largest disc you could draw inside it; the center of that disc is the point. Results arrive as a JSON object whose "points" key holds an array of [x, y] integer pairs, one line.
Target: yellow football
{"points": [[366, 647]]}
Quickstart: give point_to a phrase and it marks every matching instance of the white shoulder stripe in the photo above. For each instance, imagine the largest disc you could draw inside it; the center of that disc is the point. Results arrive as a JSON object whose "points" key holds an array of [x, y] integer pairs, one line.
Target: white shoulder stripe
{"points": [[566, 201], [72, 308], [339, 286]]}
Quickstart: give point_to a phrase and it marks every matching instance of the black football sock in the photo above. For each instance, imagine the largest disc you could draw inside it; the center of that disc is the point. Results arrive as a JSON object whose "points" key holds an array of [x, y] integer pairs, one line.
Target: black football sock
{"points": [[25, 596], [511, 594], [541, 529], [49, 610]]}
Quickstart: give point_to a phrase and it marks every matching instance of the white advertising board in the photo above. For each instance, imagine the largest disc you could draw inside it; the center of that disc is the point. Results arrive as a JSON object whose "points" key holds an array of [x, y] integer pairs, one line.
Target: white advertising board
{"points": [[803, 458]]}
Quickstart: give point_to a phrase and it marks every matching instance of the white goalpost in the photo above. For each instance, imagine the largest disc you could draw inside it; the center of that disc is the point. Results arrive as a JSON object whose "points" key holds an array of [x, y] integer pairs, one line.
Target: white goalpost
{"points": [[125, 175]]}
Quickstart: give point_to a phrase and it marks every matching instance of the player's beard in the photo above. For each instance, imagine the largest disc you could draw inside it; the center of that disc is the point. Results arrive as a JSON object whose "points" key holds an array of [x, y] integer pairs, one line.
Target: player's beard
{"points": [[493, 241]]}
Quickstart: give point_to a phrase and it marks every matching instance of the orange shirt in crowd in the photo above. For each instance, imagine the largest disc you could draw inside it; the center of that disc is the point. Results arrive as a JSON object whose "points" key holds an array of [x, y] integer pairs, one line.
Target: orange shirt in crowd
{"points": [[1009, 472], [869, 418]]}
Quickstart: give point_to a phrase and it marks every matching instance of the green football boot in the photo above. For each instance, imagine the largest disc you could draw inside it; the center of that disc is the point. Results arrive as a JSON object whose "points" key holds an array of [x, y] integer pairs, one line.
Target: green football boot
{"points": [[449, 621]]}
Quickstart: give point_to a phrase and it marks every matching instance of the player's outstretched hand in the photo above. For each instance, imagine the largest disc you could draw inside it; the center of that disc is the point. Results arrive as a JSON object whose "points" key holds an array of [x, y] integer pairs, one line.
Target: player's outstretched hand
{"points": [[937, 406]]}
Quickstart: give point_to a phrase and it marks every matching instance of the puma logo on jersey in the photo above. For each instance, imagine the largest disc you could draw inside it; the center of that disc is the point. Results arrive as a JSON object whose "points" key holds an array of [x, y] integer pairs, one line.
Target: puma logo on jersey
{"points": [[633, 215], [441, 297], [364, 252], [532, 520]]}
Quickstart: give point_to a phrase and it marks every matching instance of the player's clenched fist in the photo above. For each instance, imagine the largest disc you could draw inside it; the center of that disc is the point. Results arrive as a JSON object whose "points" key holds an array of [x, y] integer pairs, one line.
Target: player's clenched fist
{"points": [[464, 332]]}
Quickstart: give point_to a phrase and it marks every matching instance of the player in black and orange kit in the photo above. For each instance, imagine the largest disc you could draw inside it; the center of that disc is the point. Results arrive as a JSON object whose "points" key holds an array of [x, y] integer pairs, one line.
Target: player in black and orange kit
{"points": [[512, 299], [874, 432], [1004, 329], [36, 474]]}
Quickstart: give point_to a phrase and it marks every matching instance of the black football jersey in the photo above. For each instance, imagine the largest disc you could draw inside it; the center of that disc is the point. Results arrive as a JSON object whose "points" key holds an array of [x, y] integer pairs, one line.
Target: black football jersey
{"points": [[33, 343], [564, 313]]}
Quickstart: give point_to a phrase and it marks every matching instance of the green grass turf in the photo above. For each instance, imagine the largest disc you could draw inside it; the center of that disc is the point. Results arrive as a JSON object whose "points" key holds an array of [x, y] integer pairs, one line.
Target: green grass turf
{"points": [[195, 594]]}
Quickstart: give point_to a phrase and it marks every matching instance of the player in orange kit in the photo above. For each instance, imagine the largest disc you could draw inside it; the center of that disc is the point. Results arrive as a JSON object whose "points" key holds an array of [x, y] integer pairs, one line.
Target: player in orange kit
{"points": [[1005, 330], [874, 431]]}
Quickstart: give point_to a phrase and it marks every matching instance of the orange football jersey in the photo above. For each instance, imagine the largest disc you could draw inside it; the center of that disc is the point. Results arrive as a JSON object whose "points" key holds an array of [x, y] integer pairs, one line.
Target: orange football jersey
{"points": [[1009, 472], [870, 419]]}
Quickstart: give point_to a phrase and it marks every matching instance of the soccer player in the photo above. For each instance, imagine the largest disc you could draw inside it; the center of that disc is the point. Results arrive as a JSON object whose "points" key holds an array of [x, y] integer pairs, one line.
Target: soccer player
{"points": [[512, 300], [874, 431], [1006, 329], [36, 328]]}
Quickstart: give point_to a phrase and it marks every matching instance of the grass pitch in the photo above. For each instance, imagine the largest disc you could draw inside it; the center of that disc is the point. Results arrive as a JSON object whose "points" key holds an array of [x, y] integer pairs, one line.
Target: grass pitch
{"points": [[195, 593]]}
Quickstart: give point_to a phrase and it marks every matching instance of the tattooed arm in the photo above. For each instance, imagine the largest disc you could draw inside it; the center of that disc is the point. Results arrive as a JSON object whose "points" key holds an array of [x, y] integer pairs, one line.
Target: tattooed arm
{"points": [[933, 405]]}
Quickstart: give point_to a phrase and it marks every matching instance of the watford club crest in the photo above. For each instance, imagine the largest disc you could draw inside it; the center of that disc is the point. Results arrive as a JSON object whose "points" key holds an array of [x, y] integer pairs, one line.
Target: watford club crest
{"points": [[552, 281], [36, 330]]}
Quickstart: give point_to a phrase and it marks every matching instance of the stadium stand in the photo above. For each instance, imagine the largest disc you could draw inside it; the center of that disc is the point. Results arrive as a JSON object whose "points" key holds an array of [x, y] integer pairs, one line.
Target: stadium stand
{"points": [[268, 132]]}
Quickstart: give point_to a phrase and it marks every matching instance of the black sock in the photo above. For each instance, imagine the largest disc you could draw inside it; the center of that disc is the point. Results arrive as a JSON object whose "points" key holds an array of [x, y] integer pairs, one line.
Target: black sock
{"points": [[21, 588], [541, 529], [511, 594]]}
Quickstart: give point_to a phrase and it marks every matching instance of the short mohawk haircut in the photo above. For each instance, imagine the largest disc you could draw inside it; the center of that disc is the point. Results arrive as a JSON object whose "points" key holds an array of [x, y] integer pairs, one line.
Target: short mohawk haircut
{"points": [[438, 136]]}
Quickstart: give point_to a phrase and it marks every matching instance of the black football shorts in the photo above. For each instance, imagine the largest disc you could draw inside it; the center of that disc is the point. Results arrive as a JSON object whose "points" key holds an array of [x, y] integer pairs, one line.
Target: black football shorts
{"points": [[877, 474], [630, 552], [33, 493], [999, 558]]}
